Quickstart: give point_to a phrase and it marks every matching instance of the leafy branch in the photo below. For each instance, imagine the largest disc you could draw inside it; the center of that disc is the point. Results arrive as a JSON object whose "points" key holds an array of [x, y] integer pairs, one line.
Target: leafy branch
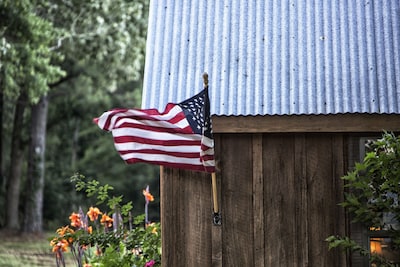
{"points": [[372, 196], [93, 188]]}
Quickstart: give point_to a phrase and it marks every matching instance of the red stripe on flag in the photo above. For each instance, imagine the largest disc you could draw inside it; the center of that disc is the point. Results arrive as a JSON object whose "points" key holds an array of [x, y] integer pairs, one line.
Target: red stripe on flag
{"points": [[165, 138], [161, 152], [175, 165], [159, 129], [181, 142]]}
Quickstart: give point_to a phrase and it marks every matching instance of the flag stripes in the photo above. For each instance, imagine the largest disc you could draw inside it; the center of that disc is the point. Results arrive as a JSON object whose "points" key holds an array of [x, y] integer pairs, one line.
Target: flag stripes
{"points": [[171, 138]]}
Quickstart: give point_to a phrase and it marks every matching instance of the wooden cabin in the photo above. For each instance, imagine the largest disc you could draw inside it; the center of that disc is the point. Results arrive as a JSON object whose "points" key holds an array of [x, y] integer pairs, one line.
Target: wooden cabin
{"points": [[296, 87]]}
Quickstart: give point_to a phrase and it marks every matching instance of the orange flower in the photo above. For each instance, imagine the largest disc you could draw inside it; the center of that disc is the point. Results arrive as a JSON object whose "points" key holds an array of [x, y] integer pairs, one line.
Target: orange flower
{"points": [[75, 220], [87, 265], [93, 213], [64, 230], [153, 228], [106, 220], [154, 231], [90, 229], [53, 242], [59, 245], [147, 195]]}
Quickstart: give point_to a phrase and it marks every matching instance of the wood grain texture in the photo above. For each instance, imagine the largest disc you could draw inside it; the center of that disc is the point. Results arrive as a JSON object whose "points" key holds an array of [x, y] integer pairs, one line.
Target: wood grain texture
{"points": [[258, 201], [237, 197], [185, 218], [278, 196], [339, 123], [281, 200], [324, 167]]}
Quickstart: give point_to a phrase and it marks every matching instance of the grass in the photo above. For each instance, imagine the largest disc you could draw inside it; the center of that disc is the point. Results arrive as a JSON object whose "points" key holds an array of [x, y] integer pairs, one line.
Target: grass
{"points": [[18, 250]]}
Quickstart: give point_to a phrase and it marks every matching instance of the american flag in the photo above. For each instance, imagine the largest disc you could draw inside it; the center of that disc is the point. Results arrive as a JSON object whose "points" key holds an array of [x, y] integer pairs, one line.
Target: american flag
{"points": [[179, 137]]}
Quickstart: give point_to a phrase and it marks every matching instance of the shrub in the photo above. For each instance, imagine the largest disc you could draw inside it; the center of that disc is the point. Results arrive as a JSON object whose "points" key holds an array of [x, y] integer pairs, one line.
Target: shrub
{"points": [[372, 197], [115, 238]]}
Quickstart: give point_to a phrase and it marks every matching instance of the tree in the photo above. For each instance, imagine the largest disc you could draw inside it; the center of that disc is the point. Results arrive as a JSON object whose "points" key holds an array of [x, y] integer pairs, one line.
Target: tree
{"points": [[26, 69], [33, 216], [98, 44], [372, 197], [104, 59]]}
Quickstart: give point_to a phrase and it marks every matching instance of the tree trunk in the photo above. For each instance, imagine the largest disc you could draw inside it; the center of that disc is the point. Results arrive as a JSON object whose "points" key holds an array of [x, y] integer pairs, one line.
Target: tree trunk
{"points": [[33, 220], [14, 179], [2, 180]]}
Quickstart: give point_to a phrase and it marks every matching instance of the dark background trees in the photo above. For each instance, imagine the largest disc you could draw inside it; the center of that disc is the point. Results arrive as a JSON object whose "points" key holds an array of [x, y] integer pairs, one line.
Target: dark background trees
{"points": [[62, 63]]}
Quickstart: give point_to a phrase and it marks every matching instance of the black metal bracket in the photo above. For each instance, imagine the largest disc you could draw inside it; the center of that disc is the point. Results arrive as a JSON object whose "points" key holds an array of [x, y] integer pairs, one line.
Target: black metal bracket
{"points": [[217, 219]]}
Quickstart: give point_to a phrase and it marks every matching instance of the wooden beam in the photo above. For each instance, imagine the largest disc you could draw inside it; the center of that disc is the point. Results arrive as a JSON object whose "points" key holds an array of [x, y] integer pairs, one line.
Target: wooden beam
{"points": [[306, 123], [258, 201]]}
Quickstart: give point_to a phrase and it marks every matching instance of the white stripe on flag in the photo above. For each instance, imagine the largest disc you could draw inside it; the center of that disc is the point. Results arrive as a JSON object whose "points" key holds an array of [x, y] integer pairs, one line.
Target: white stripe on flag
{"points": [[148, 134], [139, 146], [162, 158]]}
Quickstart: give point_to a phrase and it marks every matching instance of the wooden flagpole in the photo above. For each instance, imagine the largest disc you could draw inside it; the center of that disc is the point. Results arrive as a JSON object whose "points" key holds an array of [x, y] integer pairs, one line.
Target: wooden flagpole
{"points": [[216, 215], [214, 190]]}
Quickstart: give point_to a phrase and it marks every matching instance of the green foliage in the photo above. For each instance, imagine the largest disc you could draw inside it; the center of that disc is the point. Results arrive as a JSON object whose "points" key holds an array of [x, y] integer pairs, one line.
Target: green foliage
{"points": [[27, 62], [88, 57], [373, 195], [101, 192], [104, 64], [374, 184], [110, 241], [101, 36], [346, 243]]}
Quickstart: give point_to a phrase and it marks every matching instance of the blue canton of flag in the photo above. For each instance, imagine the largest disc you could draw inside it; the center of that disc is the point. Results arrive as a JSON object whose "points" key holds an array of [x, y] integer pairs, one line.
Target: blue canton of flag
{"points": [[197, 112]]}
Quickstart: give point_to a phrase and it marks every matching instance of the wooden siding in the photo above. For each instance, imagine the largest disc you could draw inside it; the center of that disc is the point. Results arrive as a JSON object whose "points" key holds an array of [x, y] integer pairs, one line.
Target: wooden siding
{"points": [[342, 123], [278, 196]]}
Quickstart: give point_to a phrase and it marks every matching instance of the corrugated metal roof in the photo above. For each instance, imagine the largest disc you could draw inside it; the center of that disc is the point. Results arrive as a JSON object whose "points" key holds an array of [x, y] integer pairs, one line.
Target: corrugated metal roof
{"points": [[272, 57]]}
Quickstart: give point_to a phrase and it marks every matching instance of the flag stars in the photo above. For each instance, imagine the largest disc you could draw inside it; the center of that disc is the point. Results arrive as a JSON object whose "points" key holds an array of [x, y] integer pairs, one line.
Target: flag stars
{"points": [[194, 109]]}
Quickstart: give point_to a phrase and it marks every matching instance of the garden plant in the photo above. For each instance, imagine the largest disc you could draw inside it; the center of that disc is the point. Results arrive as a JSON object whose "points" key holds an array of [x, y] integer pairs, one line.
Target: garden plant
{"points": [[112, 238], [371, 198]]}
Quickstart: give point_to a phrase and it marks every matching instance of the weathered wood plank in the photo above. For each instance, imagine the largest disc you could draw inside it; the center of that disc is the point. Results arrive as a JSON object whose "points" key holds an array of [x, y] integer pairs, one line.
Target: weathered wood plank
{"points": [[185, 218], [319, 199], [173, 245], [302, 190], [280, 200], [196, 219], [278, 196], [216, 231], [301, 211], [237, 201], [307, 123], [324, 165], [258, 201]]}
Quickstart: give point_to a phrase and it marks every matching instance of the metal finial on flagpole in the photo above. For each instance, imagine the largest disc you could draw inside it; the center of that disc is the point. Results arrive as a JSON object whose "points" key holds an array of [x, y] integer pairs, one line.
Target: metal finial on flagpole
{"points": [[205, 79]]}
